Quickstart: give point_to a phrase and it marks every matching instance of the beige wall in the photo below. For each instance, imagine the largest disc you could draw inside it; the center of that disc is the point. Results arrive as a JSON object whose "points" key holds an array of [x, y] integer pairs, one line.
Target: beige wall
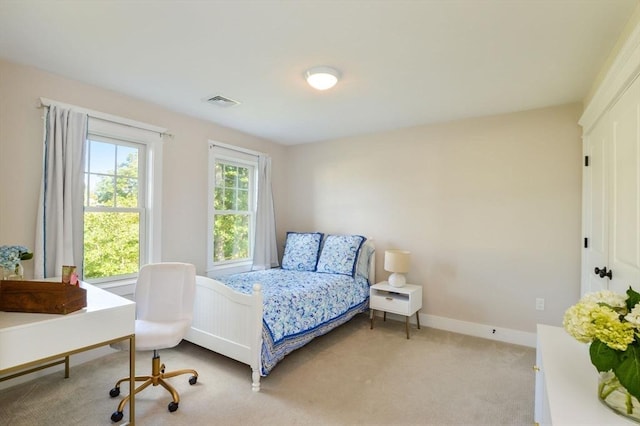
{"points": [[489, 207], [184, 211]]}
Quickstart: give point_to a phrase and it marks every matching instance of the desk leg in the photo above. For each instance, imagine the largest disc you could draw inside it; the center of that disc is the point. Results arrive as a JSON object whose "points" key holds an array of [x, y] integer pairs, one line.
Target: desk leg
{"points": [[66, 367], [132, 380]]}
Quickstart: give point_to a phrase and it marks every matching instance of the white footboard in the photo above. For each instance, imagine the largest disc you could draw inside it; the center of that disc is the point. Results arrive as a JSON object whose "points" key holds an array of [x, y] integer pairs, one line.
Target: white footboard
{"points": [[229, 323]]}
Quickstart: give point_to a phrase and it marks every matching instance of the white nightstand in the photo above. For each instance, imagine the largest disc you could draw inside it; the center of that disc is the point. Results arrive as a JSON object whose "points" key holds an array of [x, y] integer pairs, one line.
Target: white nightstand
{"points": [[405, 301]]}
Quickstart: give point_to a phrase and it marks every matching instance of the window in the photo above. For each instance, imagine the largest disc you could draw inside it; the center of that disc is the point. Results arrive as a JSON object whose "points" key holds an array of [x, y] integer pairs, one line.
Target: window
{"points": [[232, 208], [122, 185], [114, 205]]}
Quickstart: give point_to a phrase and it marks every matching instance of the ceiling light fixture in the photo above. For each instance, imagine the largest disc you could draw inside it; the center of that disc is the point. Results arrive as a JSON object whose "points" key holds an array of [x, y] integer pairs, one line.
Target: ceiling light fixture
{"points": [[322, 78]]}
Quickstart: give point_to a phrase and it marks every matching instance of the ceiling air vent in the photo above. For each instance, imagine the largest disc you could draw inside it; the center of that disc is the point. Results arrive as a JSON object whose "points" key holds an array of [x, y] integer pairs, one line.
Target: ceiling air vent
{"points": [[221, 101]]}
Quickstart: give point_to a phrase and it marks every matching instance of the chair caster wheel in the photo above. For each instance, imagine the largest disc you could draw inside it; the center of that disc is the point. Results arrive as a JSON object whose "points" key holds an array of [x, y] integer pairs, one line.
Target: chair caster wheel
{"points": [[173, 406], [116, 416], [193, 380], [114, 392]]}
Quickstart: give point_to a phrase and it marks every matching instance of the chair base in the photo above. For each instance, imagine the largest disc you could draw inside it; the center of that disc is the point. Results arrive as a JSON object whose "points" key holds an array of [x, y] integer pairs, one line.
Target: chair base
{"points": [[156, 378]]}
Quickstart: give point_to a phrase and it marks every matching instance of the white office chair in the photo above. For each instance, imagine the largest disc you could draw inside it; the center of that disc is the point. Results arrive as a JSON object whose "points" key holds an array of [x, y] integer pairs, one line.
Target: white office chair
{"points": [[164, 297]]}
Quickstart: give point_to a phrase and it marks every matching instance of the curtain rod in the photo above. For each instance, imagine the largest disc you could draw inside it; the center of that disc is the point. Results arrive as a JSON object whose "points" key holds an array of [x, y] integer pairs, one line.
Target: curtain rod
{"points": [[44, 102], [238, 149]]}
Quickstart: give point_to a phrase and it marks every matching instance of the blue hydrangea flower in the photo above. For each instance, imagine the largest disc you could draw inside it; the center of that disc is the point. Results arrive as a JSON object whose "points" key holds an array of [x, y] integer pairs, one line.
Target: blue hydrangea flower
{"points": [[10, 256]]}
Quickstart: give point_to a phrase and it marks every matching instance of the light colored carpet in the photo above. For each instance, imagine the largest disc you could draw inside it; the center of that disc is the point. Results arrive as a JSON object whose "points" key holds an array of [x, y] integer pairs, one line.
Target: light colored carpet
{"points": [[351, 376]]}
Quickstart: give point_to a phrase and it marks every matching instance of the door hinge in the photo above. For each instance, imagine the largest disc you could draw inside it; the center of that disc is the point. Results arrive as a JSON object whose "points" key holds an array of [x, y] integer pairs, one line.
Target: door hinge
{"points": [[586, 242], [586, 161]]}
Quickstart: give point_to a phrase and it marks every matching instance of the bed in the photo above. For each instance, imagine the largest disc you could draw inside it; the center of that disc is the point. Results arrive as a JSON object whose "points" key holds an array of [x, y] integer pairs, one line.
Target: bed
{"points": [[259, 317]]}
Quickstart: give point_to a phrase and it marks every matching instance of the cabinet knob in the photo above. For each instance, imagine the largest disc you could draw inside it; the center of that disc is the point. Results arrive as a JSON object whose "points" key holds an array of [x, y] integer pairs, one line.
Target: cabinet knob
{"points": [[536, 368]]}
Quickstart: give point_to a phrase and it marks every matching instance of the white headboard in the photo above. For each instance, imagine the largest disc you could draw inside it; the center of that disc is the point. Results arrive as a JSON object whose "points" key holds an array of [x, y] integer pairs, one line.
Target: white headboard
{"points": [[368, 248]]}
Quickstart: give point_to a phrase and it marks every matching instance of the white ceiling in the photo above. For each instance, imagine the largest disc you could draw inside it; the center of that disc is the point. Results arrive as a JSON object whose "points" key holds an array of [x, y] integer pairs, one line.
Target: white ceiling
{"points": [[403, 62]]}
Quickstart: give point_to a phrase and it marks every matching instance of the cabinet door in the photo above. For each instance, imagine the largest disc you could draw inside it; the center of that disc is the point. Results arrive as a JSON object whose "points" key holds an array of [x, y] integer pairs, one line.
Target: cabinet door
{"points": [[540, 404], [595, 207], [624, 197]]}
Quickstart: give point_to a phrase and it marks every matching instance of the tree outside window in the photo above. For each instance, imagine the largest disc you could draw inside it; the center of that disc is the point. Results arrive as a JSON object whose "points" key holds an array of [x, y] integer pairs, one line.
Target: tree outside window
{"points": [[233, 214], [114, 212], [232, 195]]}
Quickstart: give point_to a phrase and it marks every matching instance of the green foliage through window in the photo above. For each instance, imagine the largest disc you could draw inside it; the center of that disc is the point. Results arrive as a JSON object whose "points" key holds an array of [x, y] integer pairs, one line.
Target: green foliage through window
{"points": [[232, 216], [111, 244], [113, 217]]}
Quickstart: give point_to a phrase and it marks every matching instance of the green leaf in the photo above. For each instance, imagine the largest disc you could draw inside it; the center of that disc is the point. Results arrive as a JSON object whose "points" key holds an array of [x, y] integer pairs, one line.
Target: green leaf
{"points": [[603, 357], [633, 298], [628, 371], [26, 256]]}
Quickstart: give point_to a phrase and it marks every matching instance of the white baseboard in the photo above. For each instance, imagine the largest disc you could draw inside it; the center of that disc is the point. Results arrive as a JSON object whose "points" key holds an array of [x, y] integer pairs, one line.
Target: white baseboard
{"points": [[506, 335], [490, 332]]}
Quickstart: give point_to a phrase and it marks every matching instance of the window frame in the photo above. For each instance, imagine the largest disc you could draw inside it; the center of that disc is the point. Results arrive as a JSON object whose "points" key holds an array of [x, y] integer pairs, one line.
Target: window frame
{"points": [[123, 132], [141, 208], [234, 156]]}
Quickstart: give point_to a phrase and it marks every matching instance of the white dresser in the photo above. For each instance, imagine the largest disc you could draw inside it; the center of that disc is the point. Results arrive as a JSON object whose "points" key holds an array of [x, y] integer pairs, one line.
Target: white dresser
{"points": [[566, 383]]}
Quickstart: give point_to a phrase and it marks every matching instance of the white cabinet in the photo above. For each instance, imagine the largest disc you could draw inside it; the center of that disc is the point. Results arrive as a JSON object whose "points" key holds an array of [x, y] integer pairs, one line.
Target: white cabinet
{"points": [[611, 197], [406, 300], [567, 383], [541, 414]]}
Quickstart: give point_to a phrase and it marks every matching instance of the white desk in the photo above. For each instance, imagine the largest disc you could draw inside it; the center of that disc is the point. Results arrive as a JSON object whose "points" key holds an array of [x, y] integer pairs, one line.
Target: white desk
{"points": [[28, 340]]}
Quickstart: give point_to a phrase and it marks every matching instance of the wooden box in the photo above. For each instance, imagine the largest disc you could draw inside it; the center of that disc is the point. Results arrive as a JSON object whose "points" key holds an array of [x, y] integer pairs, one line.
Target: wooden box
{"points": [[41, 297]]}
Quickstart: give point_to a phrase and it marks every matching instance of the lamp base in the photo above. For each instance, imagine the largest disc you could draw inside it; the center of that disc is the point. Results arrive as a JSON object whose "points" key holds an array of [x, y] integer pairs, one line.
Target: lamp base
{"points": [[397, 280]]}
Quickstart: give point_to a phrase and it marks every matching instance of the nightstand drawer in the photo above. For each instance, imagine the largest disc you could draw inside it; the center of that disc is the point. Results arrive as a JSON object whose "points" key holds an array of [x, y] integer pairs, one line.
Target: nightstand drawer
{"points": [[390, 302]]}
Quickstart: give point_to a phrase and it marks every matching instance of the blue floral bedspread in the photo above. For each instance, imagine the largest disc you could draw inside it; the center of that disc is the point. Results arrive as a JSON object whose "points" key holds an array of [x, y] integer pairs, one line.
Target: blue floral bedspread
{"points": [[299, 306]]}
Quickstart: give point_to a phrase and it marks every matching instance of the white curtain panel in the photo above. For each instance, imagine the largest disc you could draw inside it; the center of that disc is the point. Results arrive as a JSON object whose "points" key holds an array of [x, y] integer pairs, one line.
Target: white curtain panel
{"points": [[59, 233], [265, 249]]}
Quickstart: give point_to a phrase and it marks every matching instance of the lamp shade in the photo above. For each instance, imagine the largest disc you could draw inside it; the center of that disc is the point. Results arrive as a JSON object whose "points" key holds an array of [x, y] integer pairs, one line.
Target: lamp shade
{"points": [[397, 261]]}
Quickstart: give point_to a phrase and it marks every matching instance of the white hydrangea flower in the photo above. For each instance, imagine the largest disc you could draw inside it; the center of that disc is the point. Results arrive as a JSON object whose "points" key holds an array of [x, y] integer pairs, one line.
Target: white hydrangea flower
{"points": [[578, 321], [608, 297], [633, 317]]}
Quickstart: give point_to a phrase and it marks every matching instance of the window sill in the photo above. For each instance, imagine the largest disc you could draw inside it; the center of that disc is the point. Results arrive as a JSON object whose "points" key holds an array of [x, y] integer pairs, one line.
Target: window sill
{"points": [[121, 287], [230, 268]]}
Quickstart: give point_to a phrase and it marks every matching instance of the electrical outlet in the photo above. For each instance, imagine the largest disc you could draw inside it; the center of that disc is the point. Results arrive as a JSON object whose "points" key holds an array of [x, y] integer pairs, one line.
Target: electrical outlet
{"points": [[539, 304]]}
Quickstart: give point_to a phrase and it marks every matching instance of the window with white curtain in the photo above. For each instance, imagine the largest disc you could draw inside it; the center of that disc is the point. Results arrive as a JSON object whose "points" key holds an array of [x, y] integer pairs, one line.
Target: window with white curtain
{"points": [[232, 208]]}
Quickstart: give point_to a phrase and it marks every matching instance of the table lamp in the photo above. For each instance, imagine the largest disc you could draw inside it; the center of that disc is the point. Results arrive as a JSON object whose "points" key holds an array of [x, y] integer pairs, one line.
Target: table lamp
{"points": [[397, 262]]}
